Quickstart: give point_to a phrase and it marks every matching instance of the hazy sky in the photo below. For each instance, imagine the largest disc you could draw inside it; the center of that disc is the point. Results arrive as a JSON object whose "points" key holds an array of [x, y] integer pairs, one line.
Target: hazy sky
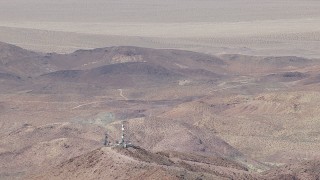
{"points": [[155, 10]]}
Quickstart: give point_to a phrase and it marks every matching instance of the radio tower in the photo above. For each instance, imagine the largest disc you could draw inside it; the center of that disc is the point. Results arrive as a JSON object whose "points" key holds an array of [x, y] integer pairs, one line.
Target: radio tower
{"points": [[122, 142]]}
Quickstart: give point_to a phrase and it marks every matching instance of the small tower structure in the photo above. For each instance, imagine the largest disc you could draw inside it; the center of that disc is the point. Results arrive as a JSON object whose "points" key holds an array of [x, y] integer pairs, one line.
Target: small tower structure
{"points": [[122, 142], [106, 142]]}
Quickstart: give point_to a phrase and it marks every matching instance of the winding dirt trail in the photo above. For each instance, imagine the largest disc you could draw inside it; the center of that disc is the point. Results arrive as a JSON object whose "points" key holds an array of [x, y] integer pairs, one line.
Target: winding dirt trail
{"points": [[121, 94], [79, 106]]}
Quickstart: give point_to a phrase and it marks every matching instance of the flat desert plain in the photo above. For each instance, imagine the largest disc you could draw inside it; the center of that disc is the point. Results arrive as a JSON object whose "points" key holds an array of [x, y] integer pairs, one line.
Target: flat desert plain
{"points": [[251, 27]]}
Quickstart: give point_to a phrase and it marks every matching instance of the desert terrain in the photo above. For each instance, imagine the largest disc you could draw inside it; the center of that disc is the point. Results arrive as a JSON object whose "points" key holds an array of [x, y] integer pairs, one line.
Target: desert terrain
{"points": [[250, 27], [188, 115], [208, 89]]}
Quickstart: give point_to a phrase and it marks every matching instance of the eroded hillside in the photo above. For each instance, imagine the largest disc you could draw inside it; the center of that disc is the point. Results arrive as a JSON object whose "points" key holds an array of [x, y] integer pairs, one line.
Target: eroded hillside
{"points": [[190, 115]]}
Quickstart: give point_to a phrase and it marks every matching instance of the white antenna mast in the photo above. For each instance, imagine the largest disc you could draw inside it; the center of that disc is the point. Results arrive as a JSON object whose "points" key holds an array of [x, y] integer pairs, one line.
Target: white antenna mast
{"points": [[122, 136]]}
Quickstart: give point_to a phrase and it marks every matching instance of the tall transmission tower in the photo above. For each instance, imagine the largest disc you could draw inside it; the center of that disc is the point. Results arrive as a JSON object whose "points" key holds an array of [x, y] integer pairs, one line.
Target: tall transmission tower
{"points": [[122, 142]]}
